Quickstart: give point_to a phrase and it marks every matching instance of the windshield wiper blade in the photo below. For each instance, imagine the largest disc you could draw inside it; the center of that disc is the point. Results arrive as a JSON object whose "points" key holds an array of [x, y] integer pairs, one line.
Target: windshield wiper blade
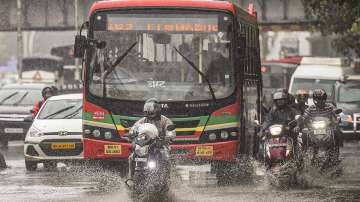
{"points": [[59, 111], [73, 113], [21, 99], [199, 72], [8, 97], [112, 68]]}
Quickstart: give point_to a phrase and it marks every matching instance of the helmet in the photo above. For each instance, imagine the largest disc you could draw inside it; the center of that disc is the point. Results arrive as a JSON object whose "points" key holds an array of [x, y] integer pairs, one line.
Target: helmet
{"points": [[47, 92], [302, 95], [152, 109], [148, 129], [280, 98], [319, 97]]}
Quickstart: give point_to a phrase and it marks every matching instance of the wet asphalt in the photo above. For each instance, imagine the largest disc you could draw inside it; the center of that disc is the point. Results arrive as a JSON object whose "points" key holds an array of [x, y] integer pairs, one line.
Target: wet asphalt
{"points": [[189, 183]]}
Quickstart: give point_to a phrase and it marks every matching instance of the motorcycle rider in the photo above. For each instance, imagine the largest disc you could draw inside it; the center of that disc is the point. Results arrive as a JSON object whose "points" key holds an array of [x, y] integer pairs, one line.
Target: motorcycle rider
{"points": [[302, 97], [152, 112], [282, 113], [323, 109], [46, 93]]}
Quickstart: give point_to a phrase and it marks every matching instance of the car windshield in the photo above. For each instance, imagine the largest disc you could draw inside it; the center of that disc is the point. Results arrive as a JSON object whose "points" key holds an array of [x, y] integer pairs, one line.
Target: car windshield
{"points": [[62, 109], [349, 93], [153, 67], [312, 84], [18, 96]]}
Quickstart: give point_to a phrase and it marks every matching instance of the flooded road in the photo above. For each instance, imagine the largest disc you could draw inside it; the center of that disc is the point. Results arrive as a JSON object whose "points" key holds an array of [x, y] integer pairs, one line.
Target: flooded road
{"points": [[191, 183]]}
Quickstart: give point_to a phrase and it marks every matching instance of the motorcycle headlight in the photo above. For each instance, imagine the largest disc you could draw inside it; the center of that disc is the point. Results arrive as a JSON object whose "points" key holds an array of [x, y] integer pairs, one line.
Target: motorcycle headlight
{"points": [[34, 132], [275, 130], [152, 164], [319, 124], [141, 151]]}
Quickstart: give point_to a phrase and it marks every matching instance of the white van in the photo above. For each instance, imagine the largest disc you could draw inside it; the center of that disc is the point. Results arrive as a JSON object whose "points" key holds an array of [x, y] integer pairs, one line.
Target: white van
{"points": [[318, 72]]}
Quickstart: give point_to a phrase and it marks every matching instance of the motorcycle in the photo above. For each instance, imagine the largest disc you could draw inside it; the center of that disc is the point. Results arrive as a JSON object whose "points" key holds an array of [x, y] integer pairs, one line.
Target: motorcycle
{"points": [[320, 143], [152, 166], [280, 155], [2, 162]]}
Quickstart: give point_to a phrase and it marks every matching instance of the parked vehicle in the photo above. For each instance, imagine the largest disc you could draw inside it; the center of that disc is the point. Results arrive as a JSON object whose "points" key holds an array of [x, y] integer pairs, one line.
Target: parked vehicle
{"points": [[347, 98], [16, 101], [280, 157], [56, 133], [152, 162]]}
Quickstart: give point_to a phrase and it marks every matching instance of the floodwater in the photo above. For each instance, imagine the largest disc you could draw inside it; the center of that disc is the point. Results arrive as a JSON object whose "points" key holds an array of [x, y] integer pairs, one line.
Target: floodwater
{"points": [[189, 183]]}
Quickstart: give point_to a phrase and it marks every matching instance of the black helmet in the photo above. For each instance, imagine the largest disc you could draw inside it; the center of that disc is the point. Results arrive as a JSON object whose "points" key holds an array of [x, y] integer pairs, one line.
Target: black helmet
{"points": [[280, 98], [152, 109], [47, 92], [319, 97]]}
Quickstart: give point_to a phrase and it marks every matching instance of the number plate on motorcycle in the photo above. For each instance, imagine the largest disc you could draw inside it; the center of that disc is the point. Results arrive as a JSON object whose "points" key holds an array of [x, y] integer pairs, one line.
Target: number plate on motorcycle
{"points": [[204, 151], [320, 132], [112, 149], [141, 159]]}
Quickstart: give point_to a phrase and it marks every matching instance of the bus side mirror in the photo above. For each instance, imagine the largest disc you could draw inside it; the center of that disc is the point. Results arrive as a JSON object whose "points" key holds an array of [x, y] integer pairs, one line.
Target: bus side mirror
{"points": [[79, 46]]}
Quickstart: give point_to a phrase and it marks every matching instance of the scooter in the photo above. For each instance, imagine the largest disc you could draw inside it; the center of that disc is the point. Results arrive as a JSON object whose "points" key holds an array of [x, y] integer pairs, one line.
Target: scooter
{"points": [[280, 155]]}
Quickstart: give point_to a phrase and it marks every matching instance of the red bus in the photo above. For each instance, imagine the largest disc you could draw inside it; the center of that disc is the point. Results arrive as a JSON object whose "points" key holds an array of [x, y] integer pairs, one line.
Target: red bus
{"points": [[199, 58]]}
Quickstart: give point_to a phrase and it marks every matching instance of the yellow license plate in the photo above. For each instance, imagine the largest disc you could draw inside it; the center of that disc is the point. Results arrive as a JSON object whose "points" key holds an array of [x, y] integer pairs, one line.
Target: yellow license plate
{"points": [[204, 151], [58, 146], [112, 149]]}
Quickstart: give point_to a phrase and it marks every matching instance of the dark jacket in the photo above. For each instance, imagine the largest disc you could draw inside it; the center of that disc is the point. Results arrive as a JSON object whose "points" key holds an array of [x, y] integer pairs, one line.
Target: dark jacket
{"points": [[279, 116]]}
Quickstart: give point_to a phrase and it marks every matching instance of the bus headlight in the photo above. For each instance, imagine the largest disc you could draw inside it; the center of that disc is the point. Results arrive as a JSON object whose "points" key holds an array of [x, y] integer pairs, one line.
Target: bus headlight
{"points": [[212, 136], [87, 131], [224, 134], [233, 134], [96, 133], [108, 135]]}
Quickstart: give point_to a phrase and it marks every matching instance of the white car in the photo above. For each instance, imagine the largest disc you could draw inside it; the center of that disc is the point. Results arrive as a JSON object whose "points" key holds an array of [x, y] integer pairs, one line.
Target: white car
{"points": [[56, 133]]}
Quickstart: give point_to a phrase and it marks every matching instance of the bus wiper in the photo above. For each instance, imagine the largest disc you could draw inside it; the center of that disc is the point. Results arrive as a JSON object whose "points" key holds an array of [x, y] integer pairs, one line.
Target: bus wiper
{"points": [[112, 67], [59, 111], [8, 97], [199, 72], [73, 113], [21, 99]]}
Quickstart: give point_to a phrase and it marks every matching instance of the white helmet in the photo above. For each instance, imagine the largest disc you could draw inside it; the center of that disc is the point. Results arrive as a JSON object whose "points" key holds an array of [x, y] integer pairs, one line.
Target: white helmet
{"points": [[149, 129]]}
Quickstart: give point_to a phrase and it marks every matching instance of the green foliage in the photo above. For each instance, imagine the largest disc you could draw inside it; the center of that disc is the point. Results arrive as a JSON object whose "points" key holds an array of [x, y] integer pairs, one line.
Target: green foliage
{"points": [[339, 17]]}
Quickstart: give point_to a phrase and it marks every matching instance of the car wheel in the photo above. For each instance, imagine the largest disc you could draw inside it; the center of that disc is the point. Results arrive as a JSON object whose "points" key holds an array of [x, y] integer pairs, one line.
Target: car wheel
{"points": [[30, 165], [50, 165]]}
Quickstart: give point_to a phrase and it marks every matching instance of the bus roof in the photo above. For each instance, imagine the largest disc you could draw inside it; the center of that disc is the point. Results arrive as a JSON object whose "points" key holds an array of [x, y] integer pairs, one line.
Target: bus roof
{"points": [[211, 4], [326, 72]]}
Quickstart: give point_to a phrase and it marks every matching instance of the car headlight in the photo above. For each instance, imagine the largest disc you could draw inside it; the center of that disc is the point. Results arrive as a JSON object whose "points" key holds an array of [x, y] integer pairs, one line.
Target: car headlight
{"points": [[319, 124], [141, 151], [276, 130], [34, 132]]}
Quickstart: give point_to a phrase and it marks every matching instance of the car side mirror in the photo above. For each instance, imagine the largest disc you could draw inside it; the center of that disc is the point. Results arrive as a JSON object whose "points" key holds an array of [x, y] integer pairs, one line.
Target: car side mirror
{"points": [[29, 119], [171, 127], [338, 111], [79, 46]]}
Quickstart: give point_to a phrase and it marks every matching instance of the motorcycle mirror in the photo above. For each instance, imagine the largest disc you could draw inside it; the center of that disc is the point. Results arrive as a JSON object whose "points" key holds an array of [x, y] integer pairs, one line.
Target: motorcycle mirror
{"points": [[297, 117], [171, 127], [256, 122], [338, 111]]}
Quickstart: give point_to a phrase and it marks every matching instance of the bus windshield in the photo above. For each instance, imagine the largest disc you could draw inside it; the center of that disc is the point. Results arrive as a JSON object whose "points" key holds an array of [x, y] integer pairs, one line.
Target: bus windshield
{"points": [[153, 67]]}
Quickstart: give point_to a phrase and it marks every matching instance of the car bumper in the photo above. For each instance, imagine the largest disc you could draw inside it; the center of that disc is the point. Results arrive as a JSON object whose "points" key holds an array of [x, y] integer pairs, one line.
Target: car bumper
{"points": [[351, 134], [40, 151], [226, 151]]}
